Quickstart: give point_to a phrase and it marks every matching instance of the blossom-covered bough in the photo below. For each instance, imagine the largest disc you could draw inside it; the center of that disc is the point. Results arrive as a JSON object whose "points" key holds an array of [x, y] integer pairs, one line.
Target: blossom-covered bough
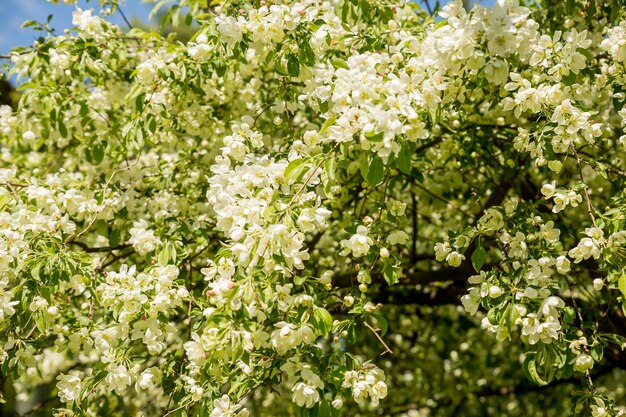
{"points": [[318, 208]]}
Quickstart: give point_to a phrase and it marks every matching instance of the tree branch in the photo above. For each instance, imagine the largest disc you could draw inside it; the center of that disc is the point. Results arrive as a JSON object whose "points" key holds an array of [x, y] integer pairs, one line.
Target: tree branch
{"points": [[380, 339]]}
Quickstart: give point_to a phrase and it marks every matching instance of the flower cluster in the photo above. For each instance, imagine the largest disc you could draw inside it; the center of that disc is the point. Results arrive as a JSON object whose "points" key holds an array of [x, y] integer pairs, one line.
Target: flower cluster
{"points": [[367, 383], [210, 226]]}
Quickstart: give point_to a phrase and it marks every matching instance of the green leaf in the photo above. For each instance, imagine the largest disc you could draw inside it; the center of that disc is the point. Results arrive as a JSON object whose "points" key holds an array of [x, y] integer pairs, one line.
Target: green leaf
{"points": [[322, 320], [279, 68], [569, 315], [365, 167], [375, 137], [375, 171], [478, 257], [40, 322], [270, 57], [622, 284], [530, 370], [88, 155], [597, 352], [339, 63], [568, 79], [351, 228], [440, 24], [298, 280], [404, 157], [99, 377], [34, 272], [29, 23], [330, 166], [307, 53], [173, 252], [102, 228], [328, 123], [152, 125], [351, 338], [62, 128], [164, 256], [586, 53], [340, 326], [492, 316], [114, 238], [140, 101], [324, 409], [293, 66], [292, 167], [417, 174], [98, 153], [365, 7], [382, 323], [388, 273]]}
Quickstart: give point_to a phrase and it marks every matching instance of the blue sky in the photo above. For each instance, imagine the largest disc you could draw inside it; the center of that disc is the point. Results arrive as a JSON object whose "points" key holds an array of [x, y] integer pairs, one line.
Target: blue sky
{"points": [[16, 12]]}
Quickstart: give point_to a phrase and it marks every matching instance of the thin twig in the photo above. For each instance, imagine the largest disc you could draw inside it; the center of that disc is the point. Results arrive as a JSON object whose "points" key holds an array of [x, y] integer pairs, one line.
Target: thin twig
{"points": [[30, 333], [444, 200], [367, 193], [89, 249], [200, 252], [269, 104], [24, 52], [191, 302], [103, 204], [113, 260], [256, 386], [414, 231], [472, 190], [106, 185], [589, 206], [12, 188], [175, 410], [119, 9], [167, 406], [306, 182], [614, 168], [571, 292], [14, 184], [428, 145], [427, 3], [382, 206], [380, 339]]}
